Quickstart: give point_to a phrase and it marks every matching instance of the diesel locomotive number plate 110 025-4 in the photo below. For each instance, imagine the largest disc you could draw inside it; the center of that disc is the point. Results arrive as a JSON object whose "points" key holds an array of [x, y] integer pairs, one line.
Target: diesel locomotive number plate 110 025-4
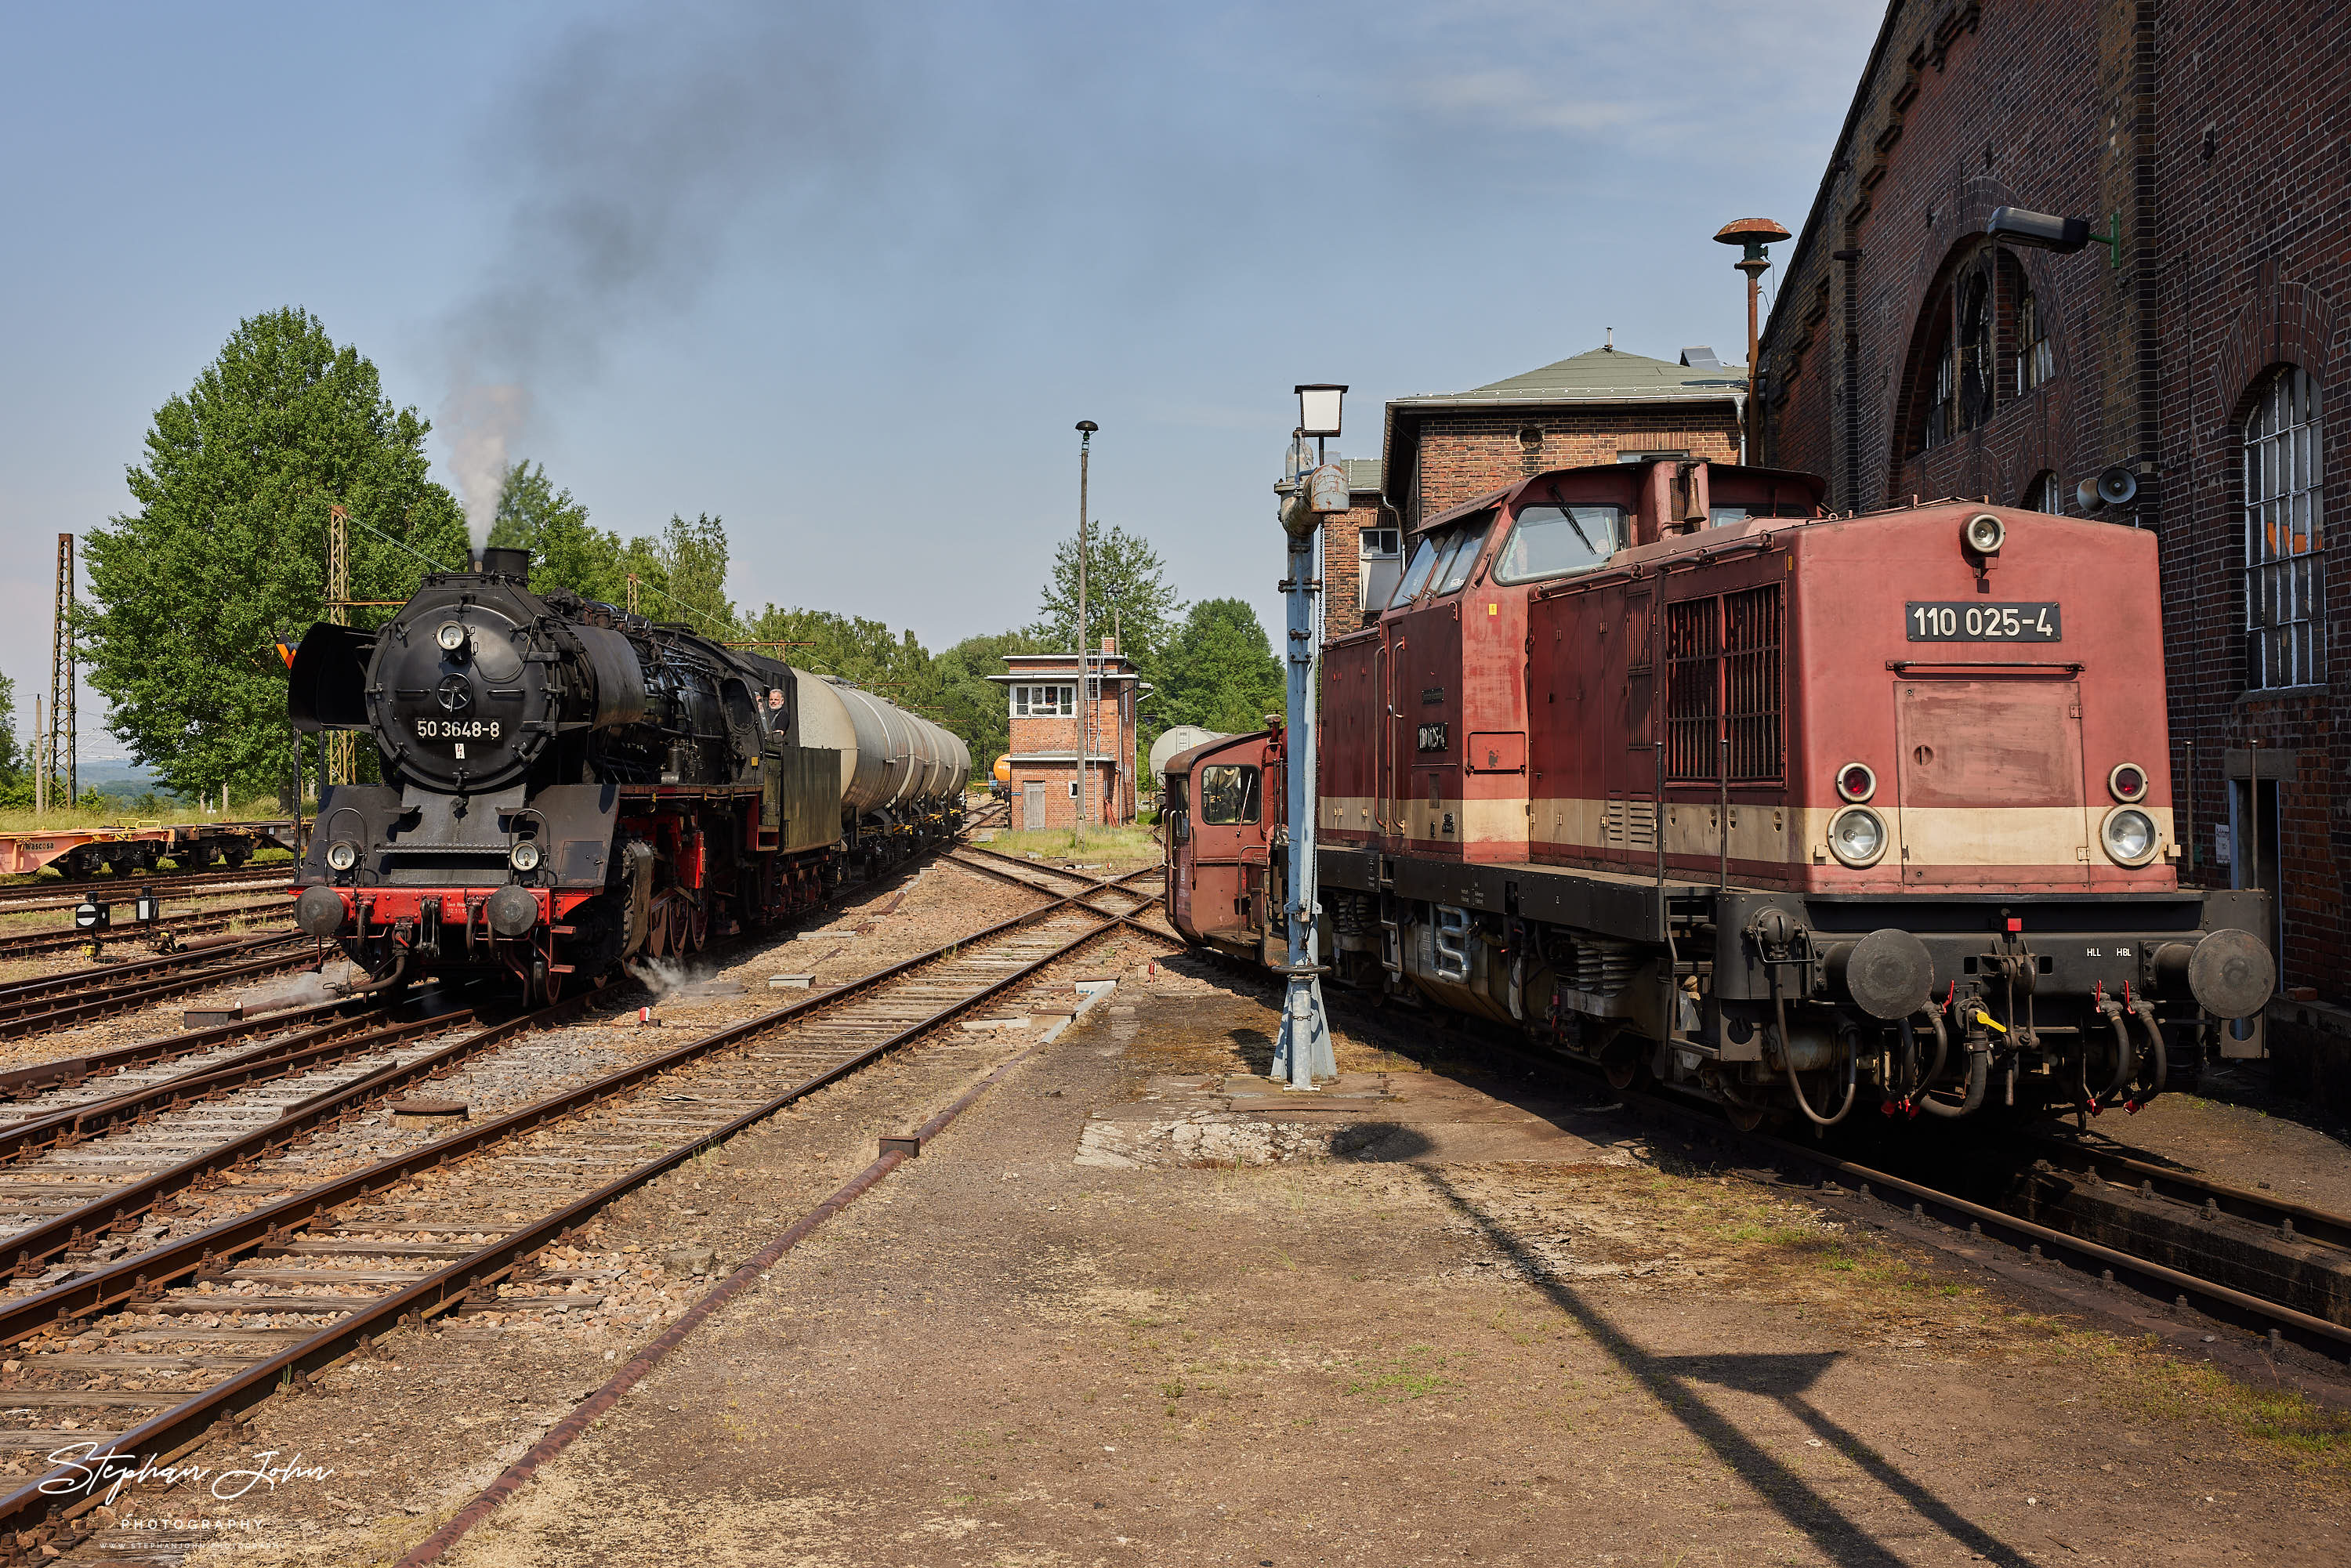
{"points": [[1961, 622]]}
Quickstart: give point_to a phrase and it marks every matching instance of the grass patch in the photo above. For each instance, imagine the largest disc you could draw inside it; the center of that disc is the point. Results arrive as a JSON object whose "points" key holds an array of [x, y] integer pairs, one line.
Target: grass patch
{"points": [[2147, 1381], [1403, 1378], [1117, 846]]}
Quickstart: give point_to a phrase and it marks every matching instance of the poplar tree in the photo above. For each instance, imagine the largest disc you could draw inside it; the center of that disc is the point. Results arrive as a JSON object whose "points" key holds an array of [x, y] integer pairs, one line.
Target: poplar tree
{"points": [[225, 547]]}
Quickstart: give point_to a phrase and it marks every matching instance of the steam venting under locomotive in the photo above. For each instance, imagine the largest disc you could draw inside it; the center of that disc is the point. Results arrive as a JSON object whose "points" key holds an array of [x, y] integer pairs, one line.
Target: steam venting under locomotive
{"points": [[567, 786]]}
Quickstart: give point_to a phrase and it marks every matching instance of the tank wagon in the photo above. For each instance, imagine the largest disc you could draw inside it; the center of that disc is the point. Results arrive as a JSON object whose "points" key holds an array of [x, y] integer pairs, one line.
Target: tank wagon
{"points": [[1671, 770], [567, 786]]}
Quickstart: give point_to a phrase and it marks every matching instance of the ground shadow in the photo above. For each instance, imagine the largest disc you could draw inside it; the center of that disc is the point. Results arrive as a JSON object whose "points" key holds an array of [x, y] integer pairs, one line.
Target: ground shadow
{"points": [[1380, 1142], [1673, 1381]]}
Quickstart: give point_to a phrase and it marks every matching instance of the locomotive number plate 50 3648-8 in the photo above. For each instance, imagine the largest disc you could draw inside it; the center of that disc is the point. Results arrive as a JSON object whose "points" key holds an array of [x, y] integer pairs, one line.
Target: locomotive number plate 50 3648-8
{"points": [[1962, 622]]}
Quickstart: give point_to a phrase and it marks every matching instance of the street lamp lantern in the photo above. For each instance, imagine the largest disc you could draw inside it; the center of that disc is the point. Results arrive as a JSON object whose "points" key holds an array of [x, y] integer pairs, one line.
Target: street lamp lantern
{"points": [[1318, 408]]}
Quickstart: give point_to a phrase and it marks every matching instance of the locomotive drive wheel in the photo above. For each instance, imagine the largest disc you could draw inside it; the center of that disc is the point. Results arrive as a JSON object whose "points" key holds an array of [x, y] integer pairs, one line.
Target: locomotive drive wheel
{"points": [[1746, 1118], [1625, 1063], [697, 929]]}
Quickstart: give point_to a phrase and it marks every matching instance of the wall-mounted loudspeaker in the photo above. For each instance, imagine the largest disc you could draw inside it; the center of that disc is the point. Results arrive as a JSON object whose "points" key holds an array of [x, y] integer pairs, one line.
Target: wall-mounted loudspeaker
{"points": [[2113, 486]]}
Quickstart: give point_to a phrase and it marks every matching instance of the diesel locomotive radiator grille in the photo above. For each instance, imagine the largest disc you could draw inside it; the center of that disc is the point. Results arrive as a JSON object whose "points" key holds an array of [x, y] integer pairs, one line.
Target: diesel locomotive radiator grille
{"points": [[1723, 683]]}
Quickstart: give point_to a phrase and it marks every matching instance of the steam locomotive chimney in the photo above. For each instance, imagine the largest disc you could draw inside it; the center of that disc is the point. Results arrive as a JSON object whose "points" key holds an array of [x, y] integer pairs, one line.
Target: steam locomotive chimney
{"points": [[505, 563]]}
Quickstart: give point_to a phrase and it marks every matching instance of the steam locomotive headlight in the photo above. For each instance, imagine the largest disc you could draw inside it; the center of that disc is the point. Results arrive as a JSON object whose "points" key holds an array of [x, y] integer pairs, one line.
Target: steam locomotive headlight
{"points": [[1984, 534], [1855, 782], [1857, 836], [2127, 781], [525, 856], [451, 636], [2128, 836], [342, 854]]}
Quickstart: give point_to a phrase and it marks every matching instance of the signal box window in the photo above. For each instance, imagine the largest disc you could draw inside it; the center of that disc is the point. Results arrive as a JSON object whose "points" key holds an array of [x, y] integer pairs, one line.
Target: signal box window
{"points": [[1044, 701], [2284, 584], [1552, 541], [1229, 794]]}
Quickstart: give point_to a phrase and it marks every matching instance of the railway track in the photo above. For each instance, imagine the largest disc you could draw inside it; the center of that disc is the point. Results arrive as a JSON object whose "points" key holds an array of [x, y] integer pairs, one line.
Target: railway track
{"points": [[38, 895], [149, 1351], [1125, 903], [28, 1007], [2241, 1279], [170, 927]]}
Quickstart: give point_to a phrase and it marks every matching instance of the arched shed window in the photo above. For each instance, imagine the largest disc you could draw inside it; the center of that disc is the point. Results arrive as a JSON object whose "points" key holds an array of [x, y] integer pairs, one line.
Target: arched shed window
{"points": [[2042, 495], [2284, 581], [1981, 338]]}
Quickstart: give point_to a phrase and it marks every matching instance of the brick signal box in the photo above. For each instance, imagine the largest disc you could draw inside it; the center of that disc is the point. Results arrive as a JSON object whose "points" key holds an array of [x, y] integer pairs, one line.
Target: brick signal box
{"points": [[1042, 689]]}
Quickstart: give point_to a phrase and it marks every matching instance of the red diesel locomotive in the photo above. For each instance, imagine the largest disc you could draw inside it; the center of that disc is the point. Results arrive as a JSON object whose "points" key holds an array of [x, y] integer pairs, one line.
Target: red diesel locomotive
{"points": [[1672, 770]]}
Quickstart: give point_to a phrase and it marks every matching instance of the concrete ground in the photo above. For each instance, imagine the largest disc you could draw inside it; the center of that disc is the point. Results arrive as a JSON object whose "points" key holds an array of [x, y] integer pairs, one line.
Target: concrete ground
{"points": [[1448, 1327]]}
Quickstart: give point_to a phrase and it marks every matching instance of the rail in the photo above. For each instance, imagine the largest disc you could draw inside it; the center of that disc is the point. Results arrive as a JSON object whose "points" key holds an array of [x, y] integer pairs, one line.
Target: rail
{"points": [[864, 1020]]}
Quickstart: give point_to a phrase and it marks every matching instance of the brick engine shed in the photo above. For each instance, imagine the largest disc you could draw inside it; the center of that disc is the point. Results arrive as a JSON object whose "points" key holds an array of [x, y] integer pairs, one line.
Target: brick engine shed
{"points": [[1042, 692], [2204, 355]]}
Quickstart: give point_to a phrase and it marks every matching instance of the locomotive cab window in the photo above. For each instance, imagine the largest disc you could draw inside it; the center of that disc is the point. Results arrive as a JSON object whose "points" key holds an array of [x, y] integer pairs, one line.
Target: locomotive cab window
{"points": [[1415, 576], [1229, 794], [1467, 540], [1552, 541]]}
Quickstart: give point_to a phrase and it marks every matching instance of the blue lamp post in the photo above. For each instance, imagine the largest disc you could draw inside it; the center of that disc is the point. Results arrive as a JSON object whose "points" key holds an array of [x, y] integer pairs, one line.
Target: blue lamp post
{"points": [[1303, 1055]]}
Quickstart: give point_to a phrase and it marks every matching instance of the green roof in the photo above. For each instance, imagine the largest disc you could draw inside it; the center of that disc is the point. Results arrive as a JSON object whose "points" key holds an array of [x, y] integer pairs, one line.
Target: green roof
{"points": [[1362, 473], [1597, 375]]}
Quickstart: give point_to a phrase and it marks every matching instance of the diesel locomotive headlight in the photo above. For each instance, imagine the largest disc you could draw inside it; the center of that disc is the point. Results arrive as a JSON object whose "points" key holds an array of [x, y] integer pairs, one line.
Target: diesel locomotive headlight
{"points": [[451, 636], [2128, 836], [1984, 534], [342, 854], [1855, 782], [2127, 781], [1857, 836], [525, 856]]}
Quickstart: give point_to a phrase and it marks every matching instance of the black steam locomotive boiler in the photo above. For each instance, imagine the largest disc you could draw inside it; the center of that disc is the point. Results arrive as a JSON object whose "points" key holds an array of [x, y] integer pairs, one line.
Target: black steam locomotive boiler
{"points": [[567, 786]]}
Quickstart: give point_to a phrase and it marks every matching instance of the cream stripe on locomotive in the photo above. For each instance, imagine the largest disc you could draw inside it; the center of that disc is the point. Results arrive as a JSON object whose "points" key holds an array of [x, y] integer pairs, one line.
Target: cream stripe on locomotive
{"points": [[1442, 819], [1934, 835]]}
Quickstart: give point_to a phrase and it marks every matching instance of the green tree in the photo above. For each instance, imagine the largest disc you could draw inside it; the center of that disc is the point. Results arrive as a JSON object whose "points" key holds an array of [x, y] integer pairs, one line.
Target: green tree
{"points": [[971, 704], [227, 546], [691, 558], [566, 550], [1127, 592], [867, 651], [16, 759], [1219, 673]]}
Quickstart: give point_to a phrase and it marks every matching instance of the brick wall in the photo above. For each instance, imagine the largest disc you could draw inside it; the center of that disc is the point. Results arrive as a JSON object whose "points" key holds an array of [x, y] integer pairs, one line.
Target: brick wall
{"points": [[1111, 787], [2215, 133], [1461, 455], [1112, 791]]}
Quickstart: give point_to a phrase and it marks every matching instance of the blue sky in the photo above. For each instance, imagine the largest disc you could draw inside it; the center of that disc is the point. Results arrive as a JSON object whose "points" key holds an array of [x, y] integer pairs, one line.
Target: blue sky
{"points": [[847, 276]]}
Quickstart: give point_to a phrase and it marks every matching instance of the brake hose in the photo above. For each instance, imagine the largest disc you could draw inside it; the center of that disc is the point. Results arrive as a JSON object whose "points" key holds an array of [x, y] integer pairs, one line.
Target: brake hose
{"points": [[1795, 1083]]}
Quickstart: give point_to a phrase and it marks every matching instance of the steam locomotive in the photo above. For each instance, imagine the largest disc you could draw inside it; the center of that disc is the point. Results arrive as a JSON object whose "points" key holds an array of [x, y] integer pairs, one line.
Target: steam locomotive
{"points": [[567, 786], [1668, 768]]}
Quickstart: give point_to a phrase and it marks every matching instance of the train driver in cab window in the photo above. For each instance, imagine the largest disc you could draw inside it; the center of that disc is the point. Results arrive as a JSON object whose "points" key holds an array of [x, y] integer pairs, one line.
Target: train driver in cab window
{"points": [[1227, 795]]}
